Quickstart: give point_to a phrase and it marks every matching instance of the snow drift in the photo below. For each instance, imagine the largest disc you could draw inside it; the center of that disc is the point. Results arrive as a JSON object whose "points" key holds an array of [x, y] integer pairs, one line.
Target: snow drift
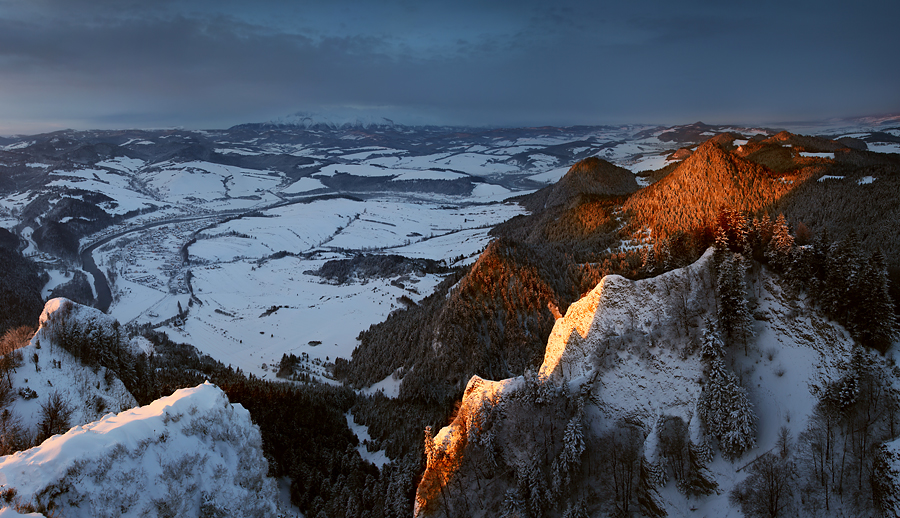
{"points": [[190, 454]]}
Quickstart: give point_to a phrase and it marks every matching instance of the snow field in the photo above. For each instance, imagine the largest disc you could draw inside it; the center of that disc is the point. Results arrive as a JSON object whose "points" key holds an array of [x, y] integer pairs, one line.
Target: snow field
{"points": [[190, 182], [316, 312], [115, 185]]}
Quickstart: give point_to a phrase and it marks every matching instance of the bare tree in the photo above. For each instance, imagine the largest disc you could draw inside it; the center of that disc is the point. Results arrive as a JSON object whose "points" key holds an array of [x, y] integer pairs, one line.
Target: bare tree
{"points": [[769, 490], [56, 414]]}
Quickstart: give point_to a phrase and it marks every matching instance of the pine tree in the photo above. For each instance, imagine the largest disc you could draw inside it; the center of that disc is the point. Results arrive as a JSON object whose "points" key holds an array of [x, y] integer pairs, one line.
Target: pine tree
{"points": [[779, 249], [711, 346], [712, 397], [740, 433], [843, 267], [734, 313], [732, 231], [874, 320], [727, 412], [818, 264]]}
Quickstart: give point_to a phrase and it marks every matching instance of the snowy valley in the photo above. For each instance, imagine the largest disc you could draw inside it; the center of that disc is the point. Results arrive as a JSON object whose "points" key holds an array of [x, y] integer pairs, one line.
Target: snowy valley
{"points": [[296, 303]]}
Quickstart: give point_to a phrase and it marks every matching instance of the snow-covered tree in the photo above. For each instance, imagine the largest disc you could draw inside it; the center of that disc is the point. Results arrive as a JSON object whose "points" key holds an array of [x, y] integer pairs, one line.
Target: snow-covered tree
{"points": [[740, 432], [873, 318], [842, 271], [732, 231], [727, 412], [711, 346], [778, 251], [734, 313]]}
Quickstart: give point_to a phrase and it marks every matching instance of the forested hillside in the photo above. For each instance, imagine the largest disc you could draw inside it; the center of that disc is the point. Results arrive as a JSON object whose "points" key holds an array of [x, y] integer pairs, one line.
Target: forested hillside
{"points": [[493, 319]]}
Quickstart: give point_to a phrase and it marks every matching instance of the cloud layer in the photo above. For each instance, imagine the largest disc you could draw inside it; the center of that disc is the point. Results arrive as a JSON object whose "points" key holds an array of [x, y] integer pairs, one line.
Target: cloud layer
{"points": [[93, 64]]}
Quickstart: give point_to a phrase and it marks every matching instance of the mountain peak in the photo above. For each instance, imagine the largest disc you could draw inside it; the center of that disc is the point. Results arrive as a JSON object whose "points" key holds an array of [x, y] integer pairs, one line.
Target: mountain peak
{"points": [[345, 119], [589, 176]]}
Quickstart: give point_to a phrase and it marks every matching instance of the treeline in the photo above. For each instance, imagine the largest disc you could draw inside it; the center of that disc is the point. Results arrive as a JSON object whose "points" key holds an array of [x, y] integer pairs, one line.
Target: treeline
{"points": [[366, 266], [21, 282]]}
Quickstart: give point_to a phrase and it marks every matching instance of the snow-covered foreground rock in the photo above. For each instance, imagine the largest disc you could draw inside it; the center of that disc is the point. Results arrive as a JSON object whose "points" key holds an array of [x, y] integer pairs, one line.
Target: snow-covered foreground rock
{"points": [[622, 369], [49, 369], [190, 454]]}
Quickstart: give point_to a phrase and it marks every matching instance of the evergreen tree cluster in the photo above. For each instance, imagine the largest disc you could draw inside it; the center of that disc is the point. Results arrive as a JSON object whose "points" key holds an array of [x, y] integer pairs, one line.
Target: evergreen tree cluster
{"points": [[21, 282], [851, 285], [724, 405]]}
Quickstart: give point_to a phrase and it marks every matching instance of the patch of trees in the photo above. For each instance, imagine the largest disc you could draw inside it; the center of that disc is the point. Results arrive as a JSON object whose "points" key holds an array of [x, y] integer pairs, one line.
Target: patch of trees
{"points": [[77, 290], [833, 467], [693, 194], [366, 266], [61, 239], [851, 285], [21, 282], [533, 452], [587, 225], [839, 206], [589, 177]]}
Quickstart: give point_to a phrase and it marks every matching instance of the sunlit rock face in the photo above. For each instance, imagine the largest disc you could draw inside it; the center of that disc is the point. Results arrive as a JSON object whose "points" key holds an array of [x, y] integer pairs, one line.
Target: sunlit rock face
{"points": [[621, 370]]}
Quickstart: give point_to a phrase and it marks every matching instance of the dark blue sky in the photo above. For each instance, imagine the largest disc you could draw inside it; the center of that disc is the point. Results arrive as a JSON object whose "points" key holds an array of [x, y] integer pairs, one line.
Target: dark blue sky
{"points": [[211, 64]]}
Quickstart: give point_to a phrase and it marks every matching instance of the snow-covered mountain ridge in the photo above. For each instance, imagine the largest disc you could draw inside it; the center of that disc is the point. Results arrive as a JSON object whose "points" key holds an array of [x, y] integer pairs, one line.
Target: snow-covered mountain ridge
{"points": [[189, 454], [624, 360], [49, 369]]}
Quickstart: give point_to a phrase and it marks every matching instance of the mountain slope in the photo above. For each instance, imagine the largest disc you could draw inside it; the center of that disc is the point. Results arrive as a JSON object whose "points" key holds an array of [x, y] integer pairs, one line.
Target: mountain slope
{"points": [[621, 367], [46, 371], [692, 195]]}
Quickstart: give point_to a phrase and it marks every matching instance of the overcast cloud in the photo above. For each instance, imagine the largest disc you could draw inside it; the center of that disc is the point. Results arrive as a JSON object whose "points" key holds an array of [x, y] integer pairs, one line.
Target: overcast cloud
{"points": [[211, 64]]}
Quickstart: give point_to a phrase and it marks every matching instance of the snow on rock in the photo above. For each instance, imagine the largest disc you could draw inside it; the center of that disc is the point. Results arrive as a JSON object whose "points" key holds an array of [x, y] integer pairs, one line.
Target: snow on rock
{"points": [[628, 351], [47, 368], [610, 309], [189, 454], [444, 458]]}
